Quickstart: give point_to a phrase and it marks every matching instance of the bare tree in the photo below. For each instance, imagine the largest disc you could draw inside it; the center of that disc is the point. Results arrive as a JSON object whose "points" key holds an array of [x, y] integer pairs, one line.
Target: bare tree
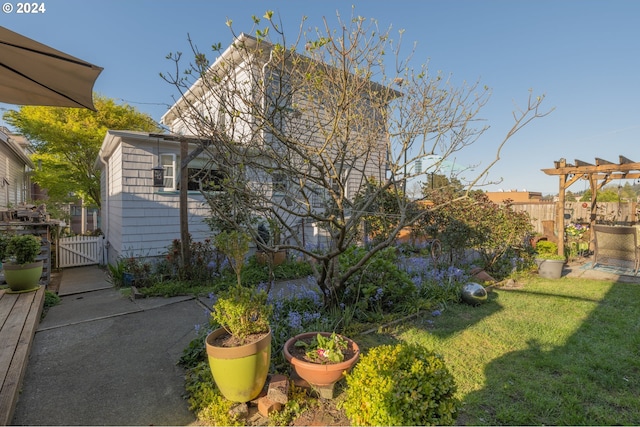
{"points": [[299, 130]]}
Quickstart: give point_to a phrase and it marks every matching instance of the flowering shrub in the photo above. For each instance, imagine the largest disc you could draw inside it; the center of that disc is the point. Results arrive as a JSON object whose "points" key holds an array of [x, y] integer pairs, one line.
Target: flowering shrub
{"points": [[576, 230], [577, 236]]}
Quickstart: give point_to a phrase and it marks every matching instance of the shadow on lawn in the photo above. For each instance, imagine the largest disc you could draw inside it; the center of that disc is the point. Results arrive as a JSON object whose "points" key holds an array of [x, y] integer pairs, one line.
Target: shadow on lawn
{"points": [[591, 379], [463, 316]]}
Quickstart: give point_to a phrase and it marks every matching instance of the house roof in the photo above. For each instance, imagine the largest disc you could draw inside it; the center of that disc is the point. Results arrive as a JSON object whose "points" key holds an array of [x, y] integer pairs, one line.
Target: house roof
{"points": [[113, 138], [233, 55], [17, 144], [227, 55]]}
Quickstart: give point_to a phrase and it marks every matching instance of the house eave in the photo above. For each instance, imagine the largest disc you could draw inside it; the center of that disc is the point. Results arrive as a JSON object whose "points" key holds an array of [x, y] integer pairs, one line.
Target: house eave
{"points": [[171, 114], [16, 149], [113, 138]]}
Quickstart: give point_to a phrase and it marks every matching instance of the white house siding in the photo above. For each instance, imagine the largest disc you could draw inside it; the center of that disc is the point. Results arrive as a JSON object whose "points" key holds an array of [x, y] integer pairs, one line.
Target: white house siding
{"points": [[18, 186], [4, 174], [143, 220], [112, 206], [14, 184]]}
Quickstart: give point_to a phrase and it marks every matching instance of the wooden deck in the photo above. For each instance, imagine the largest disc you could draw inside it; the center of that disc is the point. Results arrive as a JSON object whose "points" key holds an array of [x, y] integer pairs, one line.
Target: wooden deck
{"points": [[19, 318]]}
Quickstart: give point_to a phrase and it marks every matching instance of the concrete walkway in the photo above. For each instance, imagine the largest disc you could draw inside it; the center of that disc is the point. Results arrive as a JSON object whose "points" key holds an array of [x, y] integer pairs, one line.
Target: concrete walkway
{"points": [[100, 358], [578, 269]]}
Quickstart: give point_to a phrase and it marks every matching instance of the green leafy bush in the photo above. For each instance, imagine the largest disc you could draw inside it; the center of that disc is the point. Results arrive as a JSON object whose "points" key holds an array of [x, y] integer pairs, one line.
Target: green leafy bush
{"points": [[204, 261], [115, 274], [4, 242], [380, 287], [494, 231], [404, 384], [547, 250], [138, 270], [50, 299], [545, 247], [25, 248], [243, 311]]}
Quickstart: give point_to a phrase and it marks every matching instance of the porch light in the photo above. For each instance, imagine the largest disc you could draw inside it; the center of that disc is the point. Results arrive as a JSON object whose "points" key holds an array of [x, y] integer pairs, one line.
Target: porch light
{"points": [[158, 176], [158, 171]]}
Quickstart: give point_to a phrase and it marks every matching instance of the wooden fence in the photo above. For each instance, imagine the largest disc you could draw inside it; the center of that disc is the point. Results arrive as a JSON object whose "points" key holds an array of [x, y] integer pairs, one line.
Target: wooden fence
{"points": [[80, 250], [611, 213]]}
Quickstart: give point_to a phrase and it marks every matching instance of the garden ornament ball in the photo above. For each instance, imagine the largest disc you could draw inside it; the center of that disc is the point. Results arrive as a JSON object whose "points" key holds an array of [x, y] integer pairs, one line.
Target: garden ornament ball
{"points": [[474, 293]]}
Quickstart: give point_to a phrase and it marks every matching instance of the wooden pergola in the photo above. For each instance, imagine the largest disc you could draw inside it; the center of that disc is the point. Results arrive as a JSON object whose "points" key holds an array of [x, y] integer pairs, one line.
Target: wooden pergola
{"points": [[599, 174]]}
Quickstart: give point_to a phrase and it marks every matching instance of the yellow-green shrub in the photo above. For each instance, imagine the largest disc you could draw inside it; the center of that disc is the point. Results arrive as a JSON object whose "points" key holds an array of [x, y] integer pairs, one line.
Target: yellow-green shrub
{"points": [[403, 384]]}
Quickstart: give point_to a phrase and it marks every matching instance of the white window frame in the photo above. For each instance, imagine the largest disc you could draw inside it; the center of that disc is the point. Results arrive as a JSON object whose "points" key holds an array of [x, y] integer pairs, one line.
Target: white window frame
{"points": [[168, 162]]}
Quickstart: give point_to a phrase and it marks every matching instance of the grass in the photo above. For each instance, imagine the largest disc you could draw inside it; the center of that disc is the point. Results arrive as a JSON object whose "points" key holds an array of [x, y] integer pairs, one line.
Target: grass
{"points": [[564, 352]]}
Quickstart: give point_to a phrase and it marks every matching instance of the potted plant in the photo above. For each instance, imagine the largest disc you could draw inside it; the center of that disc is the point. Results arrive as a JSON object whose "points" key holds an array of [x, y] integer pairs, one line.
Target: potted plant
{"points": [[239, 351], [321, 358], [21, 270], [264, 237], [549, 263], [577, 235]]}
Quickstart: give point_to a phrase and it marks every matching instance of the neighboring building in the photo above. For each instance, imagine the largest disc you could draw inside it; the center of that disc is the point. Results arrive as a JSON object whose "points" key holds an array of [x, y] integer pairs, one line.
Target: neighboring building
{"points": [[15, 166], [138, 219], [82, 219], [515, 196]]}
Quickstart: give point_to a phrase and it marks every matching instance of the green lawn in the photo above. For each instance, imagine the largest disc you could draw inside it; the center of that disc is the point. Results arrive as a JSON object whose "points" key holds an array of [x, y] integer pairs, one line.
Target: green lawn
{"points": [[564, 352]]}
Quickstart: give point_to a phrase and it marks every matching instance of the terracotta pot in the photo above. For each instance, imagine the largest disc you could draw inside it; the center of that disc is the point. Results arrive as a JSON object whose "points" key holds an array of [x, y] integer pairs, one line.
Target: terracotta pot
{"points": [[239, 372], [276, 258], [318, 374]]}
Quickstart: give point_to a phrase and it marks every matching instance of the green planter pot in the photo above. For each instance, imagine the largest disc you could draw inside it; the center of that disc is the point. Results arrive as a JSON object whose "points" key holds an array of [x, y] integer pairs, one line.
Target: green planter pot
{"points": [[22, 277], [239, 372], [550, 268]]}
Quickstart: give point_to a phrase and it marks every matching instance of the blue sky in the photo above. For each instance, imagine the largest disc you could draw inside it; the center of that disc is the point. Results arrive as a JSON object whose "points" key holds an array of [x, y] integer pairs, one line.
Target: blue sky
{"points": [[583, 55]]}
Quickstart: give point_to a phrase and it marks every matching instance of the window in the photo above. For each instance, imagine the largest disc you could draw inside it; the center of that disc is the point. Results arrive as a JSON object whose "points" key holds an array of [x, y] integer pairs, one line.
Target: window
{"points": [[168, 162], [205, 179], [201, 175], [279, 182]]}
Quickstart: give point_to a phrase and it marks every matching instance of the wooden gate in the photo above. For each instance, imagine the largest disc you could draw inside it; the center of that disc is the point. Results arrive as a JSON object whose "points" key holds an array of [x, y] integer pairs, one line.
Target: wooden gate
{"points": [[80, 250]]}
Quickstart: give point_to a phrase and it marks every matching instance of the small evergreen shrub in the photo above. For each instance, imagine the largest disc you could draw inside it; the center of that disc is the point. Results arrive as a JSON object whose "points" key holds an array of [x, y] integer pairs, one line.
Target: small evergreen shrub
{"points": [[547, 250], [545, 247], [404, 384], [25, 248], [243, 311]]}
